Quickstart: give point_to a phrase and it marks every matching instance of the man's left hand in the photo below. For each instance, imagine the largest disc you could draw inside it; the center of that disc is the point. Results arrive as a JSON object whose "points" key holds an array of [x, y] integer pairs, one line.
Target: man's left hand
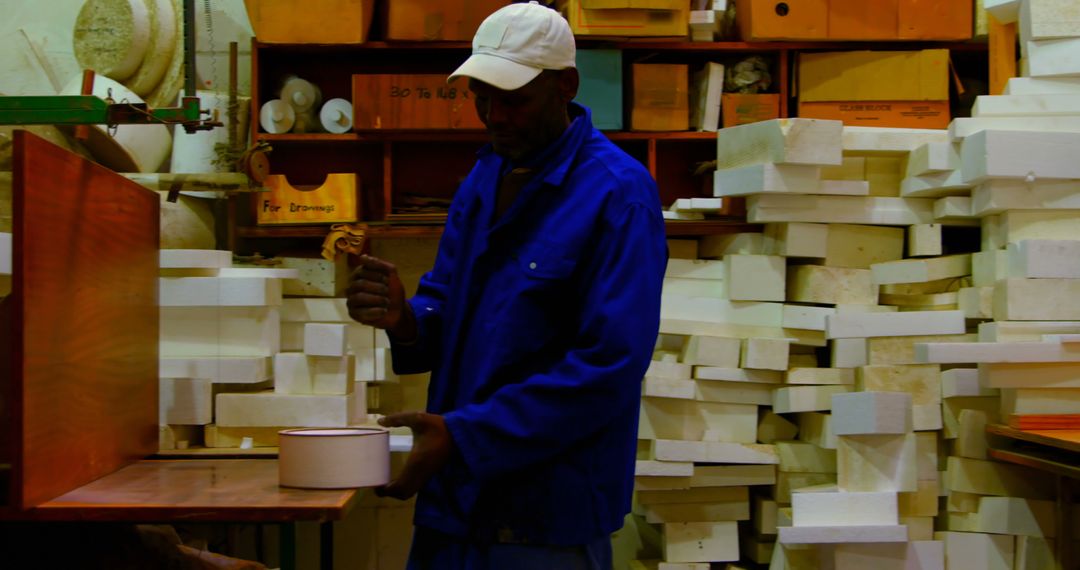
{"points": [[432, 446]]}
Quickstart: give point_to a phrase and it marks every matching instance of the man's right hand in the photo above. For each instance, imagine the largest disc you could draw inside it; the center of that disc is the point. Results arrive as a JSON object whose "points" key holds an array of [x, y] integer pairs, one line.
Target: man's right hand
{"points": [[376, 297]]}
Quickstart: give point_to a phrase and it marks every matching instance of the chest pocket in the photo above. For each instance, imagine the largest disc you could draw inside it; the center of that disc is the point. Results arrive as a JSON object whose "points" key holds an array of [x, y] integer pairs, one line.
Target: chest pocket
{"points": [[547, 260]]}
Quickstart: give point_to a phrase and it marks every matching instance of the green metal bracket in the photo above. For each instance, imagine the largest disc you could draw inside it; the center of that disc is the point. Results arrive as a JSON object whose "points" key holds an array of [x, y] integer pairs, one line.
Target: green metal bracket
{"points": [[91, 110]]}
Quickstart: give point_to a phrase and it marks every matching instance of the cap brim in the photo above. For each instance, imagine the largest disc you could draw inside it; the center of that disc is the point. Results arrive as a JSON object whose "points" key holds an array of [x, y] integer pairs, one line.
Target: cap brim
{"points": [[497, 71]]}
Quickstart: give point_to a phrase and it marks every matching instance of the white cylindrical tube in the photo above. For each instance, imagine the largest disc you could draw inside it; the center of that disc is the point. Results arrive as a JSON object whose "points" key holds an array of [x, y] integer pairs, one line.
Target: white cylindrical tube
{"points": [[333, 458], [303, 95], [277, 116], [336, 116]]}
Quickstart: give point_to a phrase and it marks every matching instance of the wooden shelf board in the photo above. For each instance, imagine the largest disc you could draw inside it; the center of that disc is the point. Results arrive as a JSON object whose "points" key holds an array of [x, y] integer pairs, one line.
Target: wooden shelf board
{"points": [[674, 228], [655, 44], [459, 136]]}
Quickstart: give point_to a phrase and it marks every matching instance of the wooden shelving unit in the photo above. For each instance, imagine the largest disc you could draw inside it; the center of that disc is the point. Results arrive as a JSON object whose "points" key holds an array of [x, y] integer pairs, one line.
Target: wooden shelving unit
{"points": [[390, 164]]}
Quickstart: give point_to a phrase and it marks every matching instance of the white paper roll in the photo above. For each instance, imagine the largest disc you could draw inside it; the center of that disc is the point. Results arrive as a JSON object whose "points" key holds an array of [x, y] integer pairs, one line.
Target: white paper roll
{"points": [[111, 36], [334, 458], [301, 94], [133, 148], [197, 152], [336, 116], [277, 116]]}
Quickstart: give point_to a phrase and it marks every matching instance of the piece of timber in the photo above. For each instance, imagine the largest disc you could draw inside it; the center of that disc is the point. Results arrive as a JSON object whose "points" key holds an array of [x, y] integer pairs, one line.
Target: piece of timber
{"points": [[949, 183], [802, 457], [820, 376], [870, 413], [714, 452], [997, 196], [932, 158], [962, 128], [701, 542], [1024, 155], [793, 399], [924, 240], [830, 285], [755, 277], [767, 179], [842, 534], [840, 209], [1025, 105], [773, 427], [1037, 299], [832, 508], [1045, 259], [996, 352], [873, 141], [901, 349], [964, 382], [859, 246], [781, 141], [921, 270], [877, 462], [914, 323], [798, 239], [1043, 86]]}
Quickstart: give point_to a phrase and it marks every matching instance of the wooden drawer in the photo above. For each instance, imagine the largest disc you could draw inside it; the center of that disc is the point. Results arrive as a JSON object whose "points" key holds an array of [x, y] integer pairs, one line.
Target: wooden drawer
{"points": [[783, 19]]}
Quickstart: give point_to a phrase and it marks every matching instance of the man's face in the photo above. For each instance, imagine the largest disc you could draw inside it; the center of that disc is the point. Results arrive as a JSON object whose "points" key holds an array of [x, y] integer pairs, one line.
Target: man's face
{"points": [[526, 120]]}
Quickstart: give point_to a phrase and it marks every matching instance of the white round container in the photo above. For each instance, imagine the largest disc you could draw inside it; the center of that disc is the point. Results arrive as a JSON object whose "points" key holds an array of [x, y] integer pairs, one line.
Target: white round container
{"points": [[336, 116], [132, 148], [334, 458], [303, 95], [277, 117]]}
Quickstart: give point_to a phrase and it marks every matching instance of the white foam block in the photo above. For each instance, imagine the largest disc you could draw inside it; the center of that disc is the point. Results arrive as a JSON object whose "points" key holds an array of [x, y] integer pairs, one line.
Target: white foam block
{"points": [[325, 339], [1053, 58], [1045, 259], [695, 287], [701, 542], [977, 550], [871, 210], [913, 323], [227, 370], [1025, 105], [781, 141], [831, 285], [1042, 86], [915, 555], [755, 277], [1037, 299], [766, 353], [999, 195], [1017, 154], [820, 376], [964, 382], [848, 352], [817, 429], [298, 373], [695, 269], [654, 468], [721, 311], [1049, 19], [806, 317], [866, 413], [185, 401], [767, 179], [714, 452], [876, 141], [218, 292], [712, 351], [933, 157], [991, 352], [317, 277], [805, 398], [194, 258], [877, 463], [738, 375], [315, 310], [219, 331], [844, 509], [842, 534], [921, 270], [798, 240], [270, 409], [924, 240]]}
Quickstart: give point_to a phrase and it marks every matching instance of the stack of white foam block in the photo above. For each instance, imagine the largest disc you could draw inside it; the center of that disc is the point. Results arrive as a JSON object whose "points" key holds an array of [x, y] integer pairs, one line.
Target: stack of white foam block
{"points": [[856, 218], [242, 361]]}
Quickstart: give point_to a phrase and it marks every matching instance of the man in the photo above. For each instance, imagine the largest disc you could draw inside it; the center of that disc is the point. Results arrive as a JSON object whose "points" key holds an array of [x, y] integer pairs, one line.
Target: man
{"points": [[537, 322]]}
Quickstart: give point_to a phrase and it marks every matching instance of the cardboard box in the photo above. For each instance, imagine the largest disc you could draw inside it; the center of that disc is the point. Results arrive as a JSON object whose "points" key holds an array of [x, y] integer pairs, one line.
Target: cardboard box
{"points": [[740, 109], [874, 76], [601, 86], [935, 20], [863, 20], [760, 20], [896, 114], [637, 4], [310, 21], [661, 98], [334, 201], [412, 102], [427, 20], [625, 22]]}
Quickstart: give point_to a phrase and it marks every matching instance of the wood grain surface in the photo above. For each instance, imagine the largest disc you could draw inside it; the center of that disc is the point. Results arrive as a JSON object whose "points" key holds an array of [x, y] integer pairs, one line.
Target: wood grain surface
{"points": [[84, 322]]}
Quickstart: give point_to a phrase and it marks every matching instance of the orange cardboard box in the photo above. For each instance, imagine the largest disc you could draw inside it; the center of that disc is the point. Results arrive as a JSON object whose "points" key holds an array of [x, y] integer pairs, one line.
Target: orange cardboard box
{"points": [[740, 109], [771, 20], [863, 19], [311, 21], [896, 114], [661, 97], [412, 102], [625, 21], [936, 20], [444, 20]]}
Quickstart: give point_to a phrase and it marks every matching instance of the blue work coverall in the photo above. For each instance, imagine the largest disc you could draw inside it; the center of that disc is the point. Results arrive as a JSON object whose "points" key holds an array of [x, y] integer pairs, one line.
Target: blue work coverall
{"points": [[538, 327]]}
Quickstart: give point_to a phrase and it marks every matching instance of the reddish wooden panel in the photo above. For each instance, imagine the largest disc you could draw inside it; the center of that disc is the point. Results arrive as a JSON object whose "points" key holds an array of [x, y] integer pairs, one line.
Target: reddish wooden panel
{"points": [[84, 321]]}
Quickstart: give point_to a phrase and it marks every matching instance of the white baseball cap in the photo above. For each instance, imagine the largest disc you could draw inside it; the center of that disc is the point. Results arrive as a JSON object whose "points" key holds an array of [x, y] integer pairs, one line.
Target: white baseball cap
{"points": [[515, 43]]}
